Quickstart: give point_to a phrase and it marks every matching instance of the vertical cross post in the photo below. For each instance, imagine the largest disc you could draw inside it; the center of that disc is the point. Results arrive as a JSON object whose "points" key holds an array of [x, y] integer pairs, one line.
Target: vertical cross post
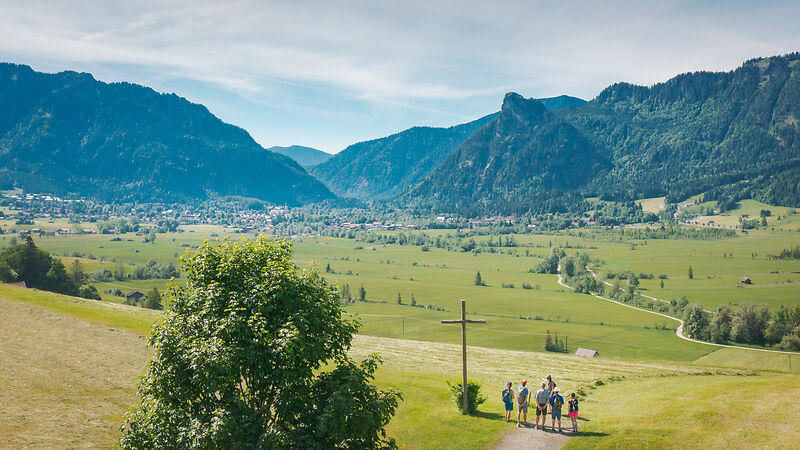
{"points": [[464, 322]]}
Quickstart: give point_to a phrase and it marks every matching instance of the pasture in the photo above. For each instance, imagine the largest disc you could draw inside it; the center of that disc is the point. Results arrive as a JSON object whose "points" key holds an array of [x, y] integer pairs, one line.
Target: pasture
{"points": [[436, 279]]}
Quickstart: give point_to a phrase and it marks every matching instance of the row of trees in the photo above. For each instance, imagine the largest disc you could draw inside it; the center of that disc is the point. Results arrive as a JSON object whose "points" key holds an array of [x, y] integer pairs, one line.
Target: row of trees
{"points": [[149, 271], [347, 297], [754, 325], [788, 253], [554, 344]]}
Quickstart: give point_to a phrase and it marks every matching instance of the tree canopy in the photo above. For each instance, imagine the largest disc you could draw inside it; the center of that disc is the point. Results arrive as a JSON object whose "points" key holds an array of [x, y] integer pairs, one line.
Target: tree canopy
{"points": [[251, 353], [26, 262]]}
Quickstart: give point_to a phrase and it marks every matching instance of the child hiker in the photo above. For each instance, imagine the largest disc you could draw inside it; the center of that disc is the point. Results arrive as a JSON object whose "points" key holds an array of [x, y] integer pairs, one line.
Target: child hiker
{"points": [[573, 412], [556, 402]]}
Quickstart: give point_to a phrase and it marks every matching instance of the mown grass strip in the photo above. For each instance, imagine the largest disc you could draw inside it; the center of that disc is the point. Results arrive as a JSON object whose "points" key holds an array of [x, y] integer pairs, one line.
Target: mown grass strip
{"points": [[129, 318]]}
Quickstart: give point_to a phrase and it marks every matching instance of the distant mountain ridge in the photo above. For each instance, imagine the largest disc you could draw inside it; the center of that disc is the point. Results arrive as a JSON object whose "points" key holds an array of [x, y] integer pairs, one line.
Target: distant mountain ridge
{"points": [[693, 133], [305, 156], [383, 168], [69, 133], [561, 102]]}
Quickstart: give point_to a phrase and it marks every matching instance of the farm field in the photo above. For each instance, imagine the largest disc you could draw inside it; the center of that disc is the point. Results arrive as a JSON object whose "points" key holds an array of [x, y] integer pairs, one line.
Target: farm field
{"points": [[437, 279], [442, 281], [96, 358]]}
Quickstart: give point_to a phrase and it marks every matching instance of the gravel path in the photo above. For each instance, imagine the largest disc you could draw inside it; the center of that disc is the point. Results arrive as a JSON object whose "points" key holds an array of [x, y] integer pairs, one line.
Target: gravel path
{"points": [[528, 438]]}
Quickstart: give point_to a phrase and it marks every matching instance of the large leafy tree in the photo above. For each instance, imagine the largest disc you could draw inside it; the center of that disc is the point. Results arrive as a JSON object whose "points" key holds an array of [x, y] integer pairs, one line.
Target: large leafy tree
{"points": [[251, 353]]}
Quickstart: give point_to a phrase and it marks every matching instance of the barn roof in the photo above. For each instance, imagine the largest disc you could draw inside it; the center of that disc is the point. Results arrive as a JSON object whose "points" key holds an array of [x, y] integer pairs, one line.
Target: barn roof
{"points": [[586, 352]]}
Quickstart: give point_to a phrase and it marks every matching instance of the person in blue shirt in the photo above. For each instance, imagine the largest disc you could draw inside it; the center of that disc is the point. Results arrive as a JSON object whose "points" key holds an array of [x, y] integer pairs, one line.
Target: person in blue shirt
{"points": [[556, 402], [508, 400]]}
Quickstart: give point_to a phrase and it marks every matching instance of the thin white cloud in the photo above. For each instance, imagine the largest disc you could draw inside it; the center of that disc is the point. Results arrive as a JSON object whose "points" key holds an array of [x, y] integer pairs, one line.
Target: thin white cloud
{"points": [[384, 50], [451, 58]]}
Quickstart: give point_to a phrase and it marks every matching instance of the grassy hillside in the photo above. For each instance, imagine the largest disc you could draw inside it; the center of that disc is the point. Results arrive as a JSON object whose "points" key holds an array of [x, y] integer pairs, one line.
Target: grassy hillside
{"points": [[92, 368], [694, 412], [65, 382]]}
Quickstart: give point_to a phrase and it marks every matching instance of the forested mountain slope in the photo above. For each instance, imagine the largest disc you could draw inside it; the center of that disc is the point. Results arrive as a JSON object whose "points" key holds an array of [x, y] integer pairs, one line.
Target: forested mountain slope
{"points": [[694, 133], [69, 133], [524, 152], [697, 131], [382, 168]]}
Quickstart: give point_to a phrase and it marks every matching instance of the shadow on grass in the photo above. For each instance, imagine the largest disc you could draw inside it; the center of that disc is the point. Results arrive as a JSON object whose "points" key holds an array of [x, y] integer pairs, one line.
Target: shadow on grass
{"points": [[489, 415], [590, 433]]}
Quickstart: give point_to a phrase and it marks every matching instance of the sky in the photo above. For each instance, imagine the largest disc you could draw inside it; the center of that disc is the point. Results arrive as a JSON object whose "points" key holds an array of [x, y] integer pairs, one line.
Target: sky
{"points": [[327, 74]]}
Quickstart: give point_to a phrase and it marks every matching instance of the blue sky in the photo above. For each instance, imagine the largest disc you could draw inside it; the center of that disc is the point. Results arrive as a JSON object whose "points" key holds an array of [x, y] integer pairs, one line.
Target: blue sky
{"points": [[330, 73]]}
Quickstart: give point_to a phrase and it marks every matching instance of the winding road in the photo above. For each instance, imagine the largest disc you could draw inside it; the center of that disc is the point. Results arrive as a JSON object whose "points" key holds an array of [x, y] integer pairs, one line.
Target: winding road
{"points": [[679, 330]]}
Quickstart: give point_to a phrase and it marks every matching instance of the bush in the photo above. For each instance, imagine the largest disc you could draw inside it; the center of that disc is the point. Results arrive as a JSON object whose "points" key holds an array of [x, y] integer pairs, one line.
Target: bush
{"points": [[89, 291], [473, 395]]}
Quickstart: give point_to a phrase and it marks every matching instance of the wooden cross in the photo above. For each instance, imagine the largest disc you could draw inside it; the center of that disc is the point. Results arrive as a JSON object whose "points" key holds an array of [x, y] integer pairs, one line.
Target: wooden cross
{"points": [[464, 322]]}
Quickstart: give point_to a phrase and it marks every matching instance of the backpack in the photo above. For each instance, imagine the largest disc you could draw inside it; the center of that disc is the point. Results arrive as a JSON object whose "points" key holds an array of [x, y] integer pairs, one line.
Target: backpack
{"points": [[506, 396], [557, 402], [522, 395]]}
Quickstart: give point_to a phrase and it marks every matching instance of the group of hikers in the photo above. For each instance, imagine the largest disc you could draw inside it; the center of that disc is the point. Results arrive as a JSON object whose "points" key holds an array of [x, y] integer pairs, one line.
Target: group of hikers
{"points": [[546, 397]]}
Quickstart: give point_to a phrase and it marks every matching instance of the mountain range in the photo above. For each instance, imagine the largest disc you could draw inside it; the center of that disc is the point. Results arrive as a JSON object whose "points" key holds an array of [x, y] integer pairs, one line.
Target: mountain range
{"points": [[67, 133], [523, 150], [733, 133], [729, 134]]}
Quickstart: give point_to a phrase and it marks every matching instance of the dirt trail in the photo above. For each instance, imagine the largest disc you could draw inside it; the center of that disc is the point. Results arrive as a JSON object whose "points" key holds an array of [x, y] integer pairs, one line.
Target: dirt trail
{"points": [[528, 438], [679, 330]]}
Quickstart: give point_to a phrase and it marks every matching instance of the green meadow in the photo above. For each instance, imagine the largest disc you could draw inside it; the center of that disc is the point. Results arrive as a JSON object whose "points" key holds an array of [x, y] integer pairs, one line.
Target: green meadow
{"points": [[96, 353], [518, 319]]}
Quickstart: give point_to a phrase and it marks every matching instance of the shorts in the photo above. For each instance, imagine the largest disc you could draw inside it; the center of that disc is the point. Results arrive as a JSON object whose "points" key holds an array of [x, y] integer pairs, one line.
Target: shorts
{"points": [[556, 414], [541, 412], [510, 406], [523, 408], [574, 414]]}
